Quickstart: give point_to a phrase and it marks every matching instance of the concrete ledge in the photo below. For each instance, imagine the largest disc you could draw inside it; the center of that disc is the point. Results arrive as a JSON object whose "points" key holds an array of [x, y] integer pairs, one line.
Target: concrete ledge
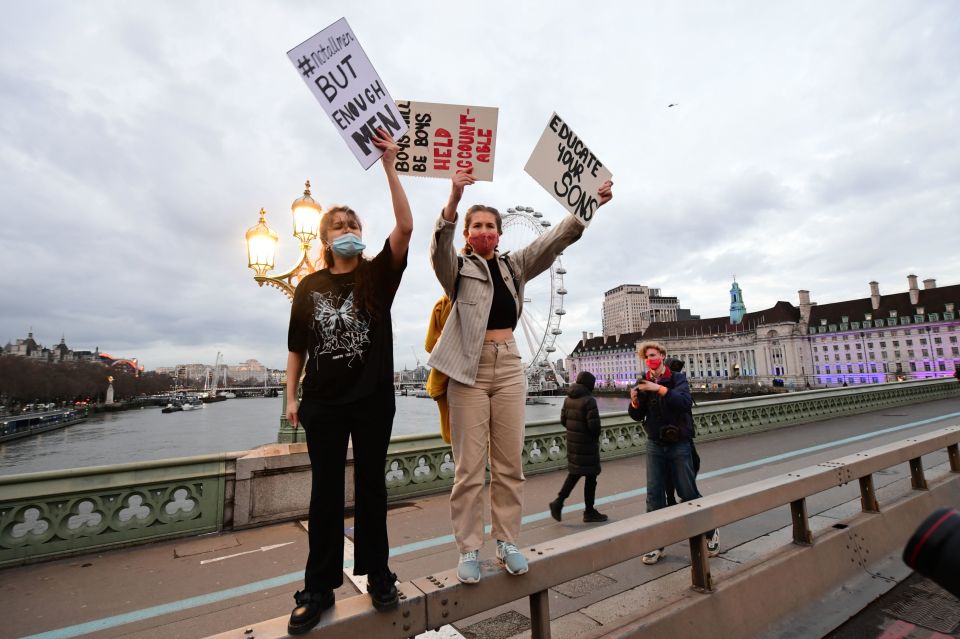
{"points": [[272, 483]]}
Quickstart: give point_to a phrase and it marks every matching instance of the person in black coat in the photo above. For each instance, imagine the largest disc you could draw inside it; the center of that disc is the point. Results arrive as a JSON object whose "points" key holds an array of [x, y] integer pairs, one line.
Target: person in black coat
{"points": [[581, 418]]}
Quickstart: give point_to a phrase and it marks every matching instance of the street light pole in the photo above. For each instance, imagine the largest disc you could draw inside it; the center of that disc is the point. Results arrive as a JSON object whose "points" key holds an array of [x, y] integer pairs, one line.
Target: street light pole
{"points": [[261, 257]]}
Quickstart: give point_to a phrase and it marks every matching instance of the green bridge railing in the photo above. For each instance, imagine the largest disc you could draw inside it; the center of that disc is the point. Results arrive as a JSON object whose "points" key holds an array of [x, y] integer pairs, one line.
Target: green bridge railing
{"points": [[54, 514]]}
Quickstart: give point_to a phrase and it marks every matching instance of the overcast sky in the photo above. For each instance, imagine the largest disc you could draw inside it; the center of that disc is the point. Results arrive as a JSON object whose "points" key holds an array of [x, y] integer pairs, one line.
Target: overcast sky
{"points": [[813, 146]]}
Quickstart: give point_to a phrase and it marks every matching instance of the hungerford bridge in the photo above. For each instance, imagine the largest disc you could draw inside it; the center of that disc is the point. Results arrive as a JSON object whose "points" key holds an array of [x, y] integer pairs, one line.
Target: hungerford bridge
{"points": [[815, 494]]}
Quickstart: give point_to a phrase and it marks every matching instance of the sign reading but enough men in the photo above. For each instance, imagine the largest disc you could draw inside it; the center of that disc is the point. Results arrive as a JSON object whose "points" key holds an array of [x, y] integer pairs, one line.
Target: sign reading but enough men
{"points": [[340, 76], [567, 168]]}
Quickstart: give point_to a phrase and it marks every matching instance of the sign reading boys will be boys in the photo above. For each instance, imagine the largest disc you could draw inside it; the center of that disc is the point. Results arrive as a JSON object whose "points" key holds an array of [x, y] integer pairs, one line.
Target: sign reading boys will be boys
{"points": [[446, 138], [340, 76], [567, 168]]}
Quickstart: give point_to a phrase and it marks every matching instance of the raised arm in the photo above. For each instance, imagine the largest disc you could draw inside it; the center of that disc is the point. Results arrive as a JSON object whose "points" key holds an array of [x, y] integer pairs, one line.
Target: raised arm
{"points": [[537, 256], [400, 235], [443, 257]]}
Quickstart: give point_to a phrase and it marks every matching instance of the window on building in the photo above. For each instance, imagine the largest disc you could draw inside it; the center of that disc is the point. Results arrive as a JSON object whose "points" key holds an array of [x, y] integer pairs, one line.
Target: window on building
{"points": [[913, 367], [910, 342]]}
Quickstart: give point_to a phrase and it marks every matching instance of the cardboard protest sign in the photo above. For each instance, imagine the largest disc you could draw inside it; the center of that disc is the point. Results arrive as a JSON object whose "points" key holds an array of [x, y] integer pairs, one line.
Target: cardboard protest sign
{"points": [[446, 138], [563, 165], [340, 76]]}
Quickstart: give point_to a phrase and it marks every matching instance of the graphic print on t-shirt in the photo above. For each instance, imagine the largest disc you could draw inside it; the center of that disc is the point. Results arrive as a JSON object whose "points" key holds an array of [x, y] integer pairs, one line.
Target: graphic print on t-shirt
{"points": [[340, 332]]}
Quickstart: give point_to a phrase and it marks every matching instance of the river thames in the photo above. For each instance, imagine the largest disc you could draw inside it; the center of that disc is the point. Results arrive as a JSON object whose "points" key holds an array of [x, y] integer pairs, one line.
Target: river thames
{"points": [[233, 425]]}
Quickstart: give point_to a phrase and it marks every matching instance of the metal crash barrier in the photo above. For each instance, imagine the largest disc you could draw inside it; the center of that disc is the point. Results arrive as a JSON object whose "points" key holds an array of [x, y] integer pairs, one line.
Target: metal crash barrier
{"points": [[436, 600]]}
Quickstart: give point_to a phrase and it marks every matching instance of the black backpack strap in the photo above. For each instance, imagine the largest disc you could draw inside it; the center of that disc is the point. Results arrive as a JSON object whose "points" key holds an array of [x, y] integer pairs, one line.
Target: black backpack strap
{"points": [[456, 283], [516, 284]]}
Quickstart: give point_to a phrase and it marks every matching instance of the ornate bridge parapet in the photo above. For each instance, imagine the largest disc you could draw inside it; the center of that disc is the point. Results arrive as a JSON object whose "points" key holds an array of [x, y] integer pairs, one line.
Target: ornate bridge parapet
{"points": [[422, 464], [53, 514]]}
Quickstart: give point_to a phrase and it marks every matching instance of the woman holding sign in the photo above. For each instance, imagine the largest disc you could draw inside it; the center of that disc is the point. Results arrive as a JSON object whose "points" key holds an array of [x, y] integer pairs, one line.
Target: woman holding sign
{"points": [[487, 385], [340, 329]]}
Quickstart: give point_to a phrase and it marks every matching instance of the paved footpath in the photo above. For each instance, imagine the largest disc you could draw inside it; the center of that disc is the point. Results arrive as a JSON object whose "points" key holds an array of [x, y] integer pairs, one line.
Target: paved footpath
{"points": [[200, 586]]}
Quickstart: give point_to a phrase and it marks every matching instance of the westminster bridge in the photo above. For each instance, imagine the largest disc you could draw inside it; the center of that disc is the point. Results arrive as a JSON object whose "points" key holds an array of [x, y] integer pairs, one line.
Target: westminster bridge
{"points": [[815, 492]]}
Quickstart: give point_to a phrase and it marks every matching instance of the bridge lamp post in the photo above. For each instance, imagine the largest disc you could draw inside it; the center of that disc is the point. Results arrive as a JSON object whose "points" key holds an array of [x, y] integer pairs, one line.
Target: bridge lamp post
{"points": [[262, 243]]}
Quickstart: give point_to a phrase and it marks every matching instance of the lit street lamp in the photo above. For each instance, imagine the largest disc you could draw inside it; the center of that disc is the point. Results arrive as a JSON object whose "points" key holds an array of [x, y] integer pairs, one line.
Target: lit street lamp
{"points": [[262, 245], [261, 257]]}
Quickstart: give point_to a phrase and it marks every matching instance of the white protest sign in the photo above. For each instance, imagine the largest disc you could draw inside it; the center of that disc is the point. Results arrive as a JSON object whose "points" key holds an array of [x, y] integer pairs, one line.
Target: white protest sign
{"points": [[446, 138], [563, 165], [340, 76]]}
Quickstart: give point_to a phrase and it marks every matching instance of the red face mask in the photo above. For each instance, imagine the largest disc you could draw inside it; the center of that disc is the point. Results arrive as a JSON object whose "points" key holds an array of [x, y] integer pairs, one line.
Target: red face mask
{"points": [[653, 363], [484, 243]]}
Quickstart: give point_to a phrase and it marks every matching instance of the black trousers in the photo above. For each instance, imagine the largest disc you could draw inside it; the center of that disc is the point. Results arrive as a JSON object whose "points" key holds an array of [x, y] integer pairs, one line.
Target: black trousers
{"points": [[589, 488], [328, 428]]}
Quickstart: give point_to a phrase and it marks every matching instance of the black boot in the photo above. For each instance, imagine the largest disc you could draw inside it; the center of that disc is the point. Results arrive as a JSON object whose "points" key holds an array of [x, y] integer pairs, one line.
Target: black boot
{"points": [[592, 516], [382, 587], [556, 508], [310, 606]]}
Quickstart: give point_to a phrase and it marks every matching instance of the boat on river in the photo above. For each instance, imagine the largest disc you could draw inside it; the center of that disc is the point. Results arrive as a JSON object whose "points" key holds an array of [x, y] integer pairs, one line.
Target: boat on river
{"points": [[193, 403], [19, 426]]}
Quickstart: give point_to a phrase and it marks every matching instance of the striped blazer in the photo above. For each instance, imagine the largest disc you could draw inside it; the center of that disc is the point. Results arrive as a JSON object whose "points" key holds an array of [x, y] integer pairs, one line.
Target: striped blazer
{"points": [[457, 353]]}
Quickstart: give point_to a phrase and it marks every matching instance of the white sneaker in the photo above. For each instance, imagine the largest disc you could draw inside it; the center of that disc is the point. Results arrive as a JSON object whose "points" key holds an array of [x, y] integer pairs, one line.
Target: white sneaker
{"points": [[652, 557], [713, 544]]}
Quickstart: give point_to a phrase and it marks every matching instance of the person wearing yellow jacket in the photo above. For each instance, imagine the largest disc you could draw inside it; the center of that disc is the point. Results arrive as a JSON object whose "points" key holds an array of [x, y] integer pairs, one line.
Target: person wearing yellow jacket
{"points": [[437, 381]]}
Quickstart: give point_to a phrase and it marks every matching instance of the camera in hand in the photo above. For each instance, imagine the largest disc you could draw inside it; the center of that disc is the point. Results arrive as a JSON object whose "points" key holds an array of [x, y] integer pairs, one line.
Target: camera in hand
{"points": [[934, 549]]}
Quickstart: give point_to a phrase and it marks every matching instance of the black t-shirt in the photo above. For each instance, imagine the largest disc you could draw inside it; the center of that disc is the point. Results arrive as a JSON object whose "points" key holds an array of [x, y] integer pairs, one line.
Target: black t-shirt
{"points": [[349, 352]]}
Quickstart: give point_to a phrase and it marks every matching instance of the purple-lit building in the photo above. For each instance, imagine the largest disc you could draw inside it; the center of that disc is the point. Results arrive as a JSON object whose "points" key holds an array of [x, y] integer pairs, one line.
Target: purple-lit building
{"points": [[909, 335]]}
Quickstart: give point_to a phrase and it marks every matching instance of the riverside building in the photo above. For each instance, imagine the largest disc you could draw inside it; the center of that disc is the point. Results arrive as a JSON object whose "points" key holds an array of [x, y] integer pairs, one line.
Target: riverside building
{"points": [[908, 335]]}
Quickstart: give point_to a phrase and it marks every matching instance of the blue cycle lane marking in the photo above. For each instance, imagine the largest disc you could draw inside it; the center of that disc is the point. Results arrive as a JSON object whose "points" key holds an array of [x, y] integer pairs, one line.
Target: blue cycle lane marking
{"points": [[293, 577]]}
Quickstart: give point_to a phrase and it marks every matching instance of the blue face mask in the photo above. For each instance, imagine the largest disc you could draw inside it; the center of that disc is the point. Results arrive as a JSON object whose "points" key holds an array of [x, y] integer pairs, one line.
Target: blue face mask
{"points": [[347, 245]]}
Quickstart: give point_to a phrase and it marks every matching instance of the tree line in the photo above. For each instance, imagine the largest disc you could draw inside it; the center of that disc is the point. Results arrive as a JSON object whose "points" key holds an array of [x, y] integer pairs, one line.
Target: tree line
{"points": [[24, 381]]}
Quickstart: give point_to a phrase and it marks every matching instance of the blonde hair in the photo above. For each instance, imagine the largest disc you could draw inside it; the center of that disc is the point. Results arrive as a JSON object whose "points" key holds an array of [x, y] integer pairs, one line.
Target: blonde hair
{"points": [[651, 344]]}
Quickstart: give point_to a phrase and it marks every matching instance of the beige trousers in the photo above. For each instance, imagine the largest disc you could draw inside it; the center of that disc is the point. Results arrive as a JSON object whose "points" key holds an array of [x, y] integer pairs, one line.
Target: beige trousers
{"points": [[489, 415]]}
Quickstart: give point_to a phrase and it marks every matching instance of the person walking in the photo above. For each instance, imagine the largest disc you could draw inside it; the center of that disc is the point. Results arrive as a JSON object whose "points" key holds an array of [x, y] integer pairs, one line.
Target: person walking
{"points": [[581, 418], [340, 330], [487, 386]]}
